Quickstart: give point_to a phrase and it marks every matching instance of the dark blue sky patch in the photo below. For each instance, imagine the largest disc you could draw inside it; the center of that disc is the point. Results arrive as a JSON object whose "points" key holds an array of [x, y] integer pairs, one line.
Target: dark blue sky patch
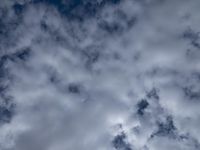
{"points": [[74, 88], [66, 8], [4, 28], [44, 26], [5, 115], [121, 22], [6, 103], [131, 22], [53, 78], [57, 82], [3, 60], [166, 128], [8, 25], [78, 9], [23, 54], [6, 58], [3, 86], [111, 28], [90, 56], [142, 105], [119, 142], [18, 8], [5, 77], [52, 32], [191, 93], [193, 37], [192, 140], [191, 90], [153, 94], [196, 75], [7, 109]]}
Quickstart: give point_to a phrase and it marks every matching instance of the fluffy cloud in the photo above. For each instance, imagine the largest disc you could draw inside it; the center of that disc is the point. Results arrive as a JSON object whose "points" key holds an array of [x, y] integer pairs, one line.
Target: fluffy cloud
{"points": [[99, 75]]}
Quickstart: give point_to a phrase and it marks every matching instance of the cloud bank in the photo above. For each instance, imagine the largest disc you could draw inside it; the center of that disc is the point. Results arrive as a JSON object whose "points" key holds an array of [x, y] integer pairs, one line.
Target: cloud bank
{"points": [[103, 75]]}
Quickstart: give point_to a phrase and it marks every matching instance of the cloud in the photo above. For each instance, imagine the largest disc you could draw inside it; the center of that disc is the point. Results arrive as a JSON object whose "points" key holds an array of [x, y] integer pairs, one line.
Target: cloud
{"points": [[117, 75]]}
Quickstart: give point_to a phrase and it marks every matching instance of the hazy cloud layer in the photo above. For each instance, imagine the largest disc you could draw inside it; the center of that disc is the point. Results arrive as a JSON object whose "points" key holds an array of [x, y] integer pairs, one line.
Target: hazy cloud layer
{"points": [[103, 75]]}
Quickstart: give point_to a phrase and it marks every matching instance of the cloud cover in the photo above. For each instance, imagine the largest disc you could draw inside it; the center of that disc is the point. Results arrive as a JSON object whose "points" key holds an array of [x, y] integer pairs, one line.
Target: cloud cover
{"points": [[99, 75]]}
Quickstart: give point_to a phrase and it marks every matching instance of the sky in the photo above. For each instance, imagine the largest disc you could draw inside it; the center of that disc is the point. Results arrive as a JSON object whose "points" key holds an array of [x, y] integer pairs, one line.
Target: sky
{"points": [[99, 74]]}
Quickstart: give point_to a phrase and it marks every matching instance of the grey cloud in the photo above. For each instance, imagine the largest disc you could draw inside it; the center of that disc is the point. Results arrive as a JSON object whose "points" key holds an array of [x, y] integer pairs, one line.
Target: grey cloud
{"points": [[125, 78]]}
